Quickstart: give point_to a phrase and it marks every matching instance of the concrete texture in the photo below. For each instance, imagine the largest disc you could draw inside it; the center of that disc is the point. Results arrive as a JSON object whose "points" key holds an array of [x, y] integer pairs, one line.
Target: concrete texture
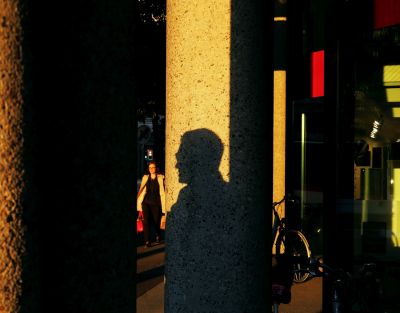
{"points": [[198, 77], [12, 167], [217, 106]]}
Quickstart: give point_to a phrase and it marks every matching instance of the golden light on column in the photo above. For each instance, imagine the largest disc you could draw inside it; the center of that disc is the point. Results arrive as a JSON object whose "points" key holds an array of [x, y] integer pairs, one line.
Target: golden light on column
{"points": [[198, 78], [303, 162], [279, 136], [279, 105], [11, 169]]}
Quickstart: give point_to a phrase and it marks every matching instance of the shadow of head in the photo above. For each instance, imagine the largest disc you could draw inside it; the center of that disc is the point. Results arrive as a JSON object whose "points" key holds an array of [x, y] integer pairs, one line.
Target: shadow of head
{"points": [[200, 152]]}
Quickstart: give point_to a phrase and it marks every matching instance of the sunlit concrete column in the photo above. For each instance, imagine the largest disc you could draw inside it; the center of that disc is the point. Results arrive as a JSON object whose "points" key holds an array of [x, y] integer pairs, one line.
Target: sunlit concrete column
{"points": [[11, 164], [198, 77], [217, 156], [279, 138]]}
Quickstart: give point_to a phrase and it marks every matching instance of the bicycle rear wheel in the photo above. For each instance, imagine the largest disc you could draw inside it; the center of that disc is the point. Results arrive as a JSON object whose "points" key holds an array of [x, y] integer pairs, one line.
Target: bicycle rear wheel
{"points": [[294, 243]]}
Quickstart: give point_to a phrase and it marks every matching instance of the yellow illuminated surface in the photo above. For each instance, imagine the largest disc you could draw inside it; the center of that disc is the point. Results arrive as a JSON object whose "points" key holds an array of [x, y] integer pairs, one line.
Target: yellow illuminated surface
{"points": [[391, 80], [396, 205], [393, 94], [303, 162], [198, 77], [391, 75], [279, 137], [396, 112]]}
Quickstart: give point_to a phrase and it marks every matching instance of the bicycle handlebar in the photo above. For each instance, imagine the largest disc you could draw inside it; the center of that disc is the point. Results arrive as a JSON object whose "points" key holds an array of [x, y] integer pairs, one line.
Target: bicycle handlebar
{"points": [[274, 204], [285, 198]]}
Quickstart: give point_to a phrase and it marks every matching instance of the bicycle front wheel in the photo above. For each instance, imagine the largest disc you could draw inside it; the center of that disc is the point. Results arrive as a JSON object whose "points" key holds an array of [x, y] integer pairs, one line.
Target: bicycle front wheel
{"points": [[294, 243]]}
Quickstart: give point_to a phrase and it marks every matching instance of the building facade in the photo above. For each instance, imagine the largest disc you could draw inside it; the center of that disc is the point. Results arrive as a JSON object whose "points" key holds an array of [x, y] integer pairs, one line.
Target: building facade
{"points": [[263, 99], [343, 131]]}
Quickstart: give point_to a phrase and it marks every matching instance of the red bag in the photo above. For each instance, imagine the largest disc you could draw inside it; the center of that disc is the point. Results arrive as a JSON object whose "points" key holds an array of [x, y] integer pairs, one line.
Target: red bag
{"points": [[139, 223]]}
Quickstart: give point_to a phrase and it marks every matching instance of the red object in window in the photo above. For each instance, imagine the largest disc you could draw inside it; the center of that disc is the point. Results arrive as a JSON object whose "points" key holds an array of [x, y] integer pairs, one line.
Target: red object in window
{"points": [[317, 74], [386, 13]]}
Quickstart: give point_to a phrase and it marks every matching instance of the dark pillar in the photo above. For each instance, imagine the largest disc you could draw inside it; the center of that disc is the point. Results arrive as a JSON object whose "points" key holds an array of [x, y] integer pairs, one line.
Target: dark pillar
{"points": [[82, 82]]}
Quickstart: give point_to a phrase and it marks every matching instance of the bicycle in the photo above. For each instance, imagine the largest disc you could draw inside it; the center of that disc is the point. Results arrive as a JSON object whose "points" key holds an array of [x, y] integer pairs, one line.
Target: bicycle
{"points": [[290, 242], [358, 293]]}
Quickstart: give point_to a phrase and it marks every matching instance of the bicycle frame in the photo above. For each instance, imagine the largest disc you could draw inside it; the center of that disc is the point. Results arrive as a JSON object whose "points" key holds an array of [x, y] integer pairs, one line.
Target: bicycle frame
{"points": [[278, 224], [347, 290], [290, 242]]}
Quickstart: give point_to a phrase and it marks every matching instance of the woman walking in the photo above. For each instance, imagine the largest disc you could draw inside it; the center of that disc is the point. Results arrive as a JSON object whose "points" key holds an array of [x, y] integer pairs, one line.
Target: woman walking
{"points": [[151, 201]]}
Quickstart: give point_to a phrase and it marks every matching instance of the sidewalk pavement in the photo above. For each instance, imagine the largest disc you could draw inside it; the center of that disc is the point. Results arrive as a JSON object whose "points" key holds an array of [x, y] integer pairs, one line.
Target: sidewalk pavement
{"points": [[150, 279], [306, 297], [151, 301]]}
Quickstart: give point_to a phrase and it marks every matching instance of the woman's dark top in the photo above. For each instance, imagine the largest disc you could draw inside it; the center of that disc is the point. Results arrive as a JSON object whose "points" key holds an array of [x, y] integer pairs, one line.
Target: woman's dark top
{"points": [[152, 196]]}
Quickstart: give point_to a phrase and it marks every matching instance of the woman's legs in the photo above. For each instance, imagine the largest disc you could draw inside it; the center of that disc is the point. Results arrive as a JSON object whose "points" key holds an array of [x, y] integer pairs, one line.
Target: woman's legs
{"points": [[151, 215], [156, 213], [146, 222]]}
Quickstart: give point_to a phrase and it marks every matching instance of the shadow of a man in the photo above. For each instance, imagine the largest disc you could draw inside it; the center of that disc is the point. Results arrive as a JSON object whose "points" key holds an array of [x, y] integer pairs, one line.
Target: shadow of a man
{"points": [[198, 231]]}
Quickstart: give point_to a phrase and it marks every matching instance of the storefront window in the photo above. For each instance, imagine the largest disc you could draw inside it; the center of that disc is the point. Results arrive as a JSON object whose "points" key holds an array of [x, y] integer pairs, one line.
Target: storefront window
{"points": [[344, 152], [377, 144]]}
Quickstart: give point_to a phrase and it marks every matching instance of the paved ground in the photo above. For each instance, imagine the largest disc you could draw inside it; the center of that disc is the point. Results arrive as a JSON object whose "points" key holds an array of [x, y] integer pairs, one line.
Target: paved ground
{"points": [[306, 297], [152, 301], [149, 268]]}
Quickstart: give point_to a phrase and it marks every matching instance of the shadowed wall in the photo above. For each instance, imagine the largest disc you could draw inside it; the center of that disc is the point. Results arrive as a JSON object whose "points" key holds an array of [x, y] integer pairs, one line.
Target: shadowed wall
{"points": [[68, 162], [88, 155]]}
